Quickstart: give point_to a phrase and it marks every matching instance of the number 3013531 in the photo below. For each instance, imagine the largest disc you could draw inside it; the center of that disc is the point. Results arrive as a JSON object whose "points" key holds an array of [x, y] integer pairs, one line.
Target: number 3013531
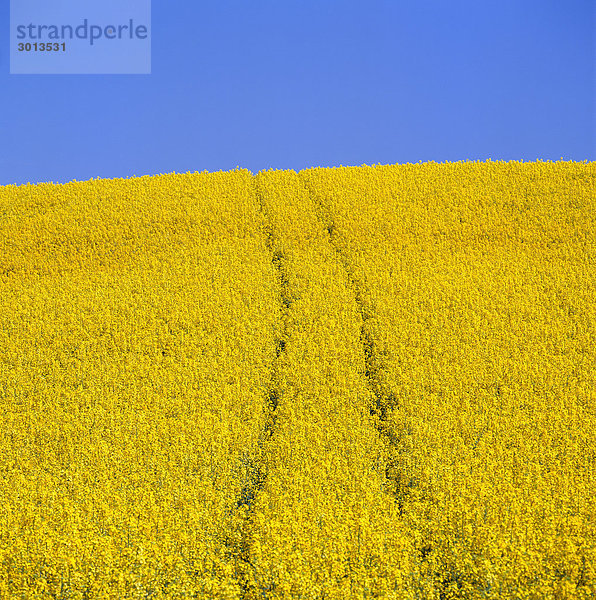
{"points": [[42, 47]]}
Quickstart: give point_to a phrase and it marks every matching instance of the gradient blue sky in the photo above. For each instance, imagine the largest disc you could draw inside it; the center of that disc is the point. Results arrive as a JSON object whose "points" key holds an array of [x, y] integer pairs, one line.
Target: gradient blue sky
{"points": [[299, 83]]}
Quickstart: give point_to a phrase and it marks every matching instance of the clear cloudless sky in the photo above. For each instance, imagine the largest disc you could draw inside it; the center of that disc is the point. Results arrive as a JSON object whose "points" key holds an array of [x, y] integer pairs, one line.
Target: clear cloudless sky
{"points": [[297, 83]]}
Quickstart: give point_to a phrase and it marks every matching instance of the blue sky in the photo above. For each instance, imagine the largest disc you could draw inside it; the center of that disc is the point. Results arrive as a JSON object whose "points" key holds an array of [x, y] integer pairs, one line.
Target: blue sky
{"points": [[298, 83]]}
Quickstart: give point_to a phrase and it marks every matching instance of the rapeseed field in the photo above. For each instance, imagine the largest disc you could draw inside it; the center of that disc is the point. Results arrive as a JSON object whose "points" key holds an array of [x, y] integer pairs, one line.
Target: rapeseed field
{"points": [[353, 382]]}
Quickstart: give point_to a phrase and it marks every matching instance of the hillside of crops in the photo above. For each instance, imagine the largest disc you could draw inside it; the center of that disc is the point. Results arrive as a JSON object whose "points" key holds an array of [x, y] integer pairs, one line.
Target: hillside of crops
{"points": [[341, 383]]}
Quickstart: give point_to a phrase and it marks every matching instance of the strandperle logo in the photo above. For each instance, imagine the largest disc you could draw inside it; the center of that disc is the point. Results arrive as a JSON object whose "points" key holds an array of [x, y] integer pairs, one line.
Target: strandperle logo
{"points": [[80, 37], [84, 31]]}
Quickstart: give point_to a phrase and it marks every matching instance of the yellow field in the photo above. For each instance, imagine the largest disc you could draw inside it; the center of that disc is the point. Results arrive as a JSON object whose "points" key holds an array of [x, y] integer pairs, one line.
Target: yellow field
{"points": [[360, 382]]}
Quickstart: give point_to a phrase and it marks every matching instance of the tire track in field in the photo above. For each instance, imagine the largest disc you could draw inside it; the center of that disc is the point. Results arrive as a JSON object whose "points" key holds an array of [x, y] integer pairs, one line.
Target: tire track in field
{"points": [[385, 400], [399, 480], [254, 465]]}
